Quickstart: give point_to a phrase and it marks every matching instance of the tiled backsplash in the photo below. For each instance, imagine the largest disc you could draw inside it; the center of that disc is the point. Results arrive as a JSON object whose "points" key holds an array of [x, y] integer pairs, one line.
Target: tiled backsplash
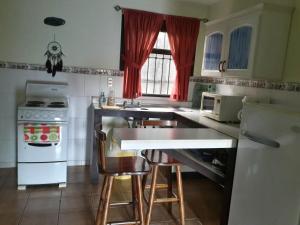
{"points": [[66, 69], [276, 85]]}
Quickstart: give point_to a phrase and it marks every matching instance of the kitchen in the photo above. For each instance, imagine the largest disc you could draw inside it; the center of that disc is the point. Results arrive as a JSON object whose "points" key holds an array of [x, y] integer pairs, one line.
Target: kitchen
{"points": [[89, 41]]}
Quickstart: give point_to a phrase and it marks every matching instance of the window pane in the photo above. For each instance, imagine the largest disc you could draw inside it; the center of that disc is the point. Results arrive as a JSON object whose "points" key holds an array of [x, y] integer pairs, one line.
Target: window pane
{"points": [[213, 49], [240, 40], [162, 41], [158, 72]]}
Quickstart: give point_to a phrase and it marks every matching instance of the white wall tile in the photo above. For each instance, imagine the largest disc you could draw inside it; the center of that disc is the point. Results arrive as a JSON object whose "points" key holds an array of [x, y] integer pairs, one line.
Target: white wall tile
{"points": [[77, 128], [8, 104], [77, 150], [91, 85], [8, 128], [78, 106], [8, 150]]}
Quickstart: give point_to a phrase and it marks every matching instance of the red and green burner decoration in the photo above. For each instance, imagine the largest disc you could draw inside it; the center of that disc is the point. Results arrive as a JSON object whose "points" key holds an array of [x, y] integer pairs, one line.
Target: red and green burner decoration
{"points": [[41, 133]]}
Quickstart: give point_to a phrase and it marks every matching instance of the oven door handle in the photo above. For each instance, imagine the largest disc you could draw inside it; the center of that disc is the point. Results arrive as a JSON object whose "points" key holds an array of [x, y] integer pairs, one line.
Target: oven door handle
{"points": [[41, 144], [43, 122]]}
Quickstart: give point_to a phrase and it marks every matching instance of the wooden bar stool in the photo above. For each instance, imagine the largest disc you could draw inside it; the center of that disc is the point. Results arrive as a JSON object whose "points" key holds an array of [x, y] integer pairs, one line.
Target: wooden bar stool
{"points": [[111, 167], [159, 159]]}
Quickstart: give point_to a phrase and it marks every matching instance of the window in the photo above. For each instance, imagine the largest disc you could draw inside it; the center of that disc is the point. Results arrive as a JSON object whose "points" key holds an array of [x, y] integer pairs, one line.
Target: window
{"points": [[158, 72]]}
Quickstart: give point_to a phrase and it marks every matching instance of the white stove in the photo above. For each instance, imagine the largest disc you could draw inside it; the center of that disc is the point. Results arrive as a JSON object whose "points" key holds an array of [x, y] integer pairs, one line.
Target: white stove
{"points": [[42, 135]]}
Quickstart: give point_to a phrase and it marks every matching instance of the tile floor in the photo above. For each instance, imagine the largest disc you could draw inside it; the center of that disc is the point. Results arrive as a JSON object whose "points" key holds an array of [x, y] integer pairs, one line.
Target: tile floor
{"points": [[77, 204]]}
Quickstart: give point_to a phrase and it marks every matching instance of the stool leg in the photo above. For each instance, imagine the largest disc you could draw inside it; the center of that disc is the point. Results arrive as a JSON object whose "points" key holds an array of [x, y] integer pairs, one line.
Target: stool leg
{"points": [[140, 199], [152, 193], [133, 196], [170, 191], [180, 195], [107, 199], [100, 206], [144, 182]]}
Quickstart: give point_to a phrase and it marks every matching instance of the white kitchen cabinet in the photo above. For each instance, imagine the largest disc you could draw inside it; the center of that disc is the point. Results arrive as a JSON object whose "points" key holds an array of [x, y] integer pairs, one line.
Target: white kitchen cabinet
{"points": [[248, 44]]}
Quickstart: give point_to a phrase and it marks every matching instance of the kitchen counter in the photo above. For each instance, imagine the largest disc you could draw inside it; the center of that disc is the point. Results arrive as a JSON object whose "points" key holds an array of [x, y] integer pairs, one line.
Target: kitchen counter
{"points": [[187, 118], [231, 129], [179, 113]]}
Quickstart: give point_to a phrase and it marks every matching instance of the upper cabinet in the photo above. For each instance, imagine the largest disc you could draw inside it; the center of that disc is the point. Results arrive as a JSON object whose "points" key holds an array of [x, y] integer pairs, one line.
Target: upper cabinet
{"points": [[248, 44]]}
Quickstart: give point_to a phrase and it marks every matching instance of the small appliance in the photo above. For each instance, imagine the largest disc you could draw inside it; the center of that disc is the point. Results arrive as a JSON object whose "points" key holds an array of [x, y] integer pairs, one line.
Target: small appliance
{"points": [[223, 108]]}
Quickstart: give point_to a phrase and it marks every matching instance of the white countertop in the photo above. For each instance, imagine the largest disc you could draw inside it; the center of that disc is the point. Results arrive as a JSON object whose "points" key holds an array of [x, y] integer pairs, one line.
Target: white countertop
{"points": [[171, 138], [231, 129]]}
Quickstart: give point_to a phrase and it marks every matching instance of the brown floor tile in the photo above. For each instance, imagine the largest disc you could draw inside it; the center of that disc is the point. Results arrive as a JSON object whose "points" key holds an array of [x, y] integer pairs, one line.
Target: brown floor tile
{"points": [[45, 193], [79, 201], [42, 205], [76, 190], [76, 218], [75, 204], [10, 218], [13, 194], [10, 183], [38, 219], [12, 205]]}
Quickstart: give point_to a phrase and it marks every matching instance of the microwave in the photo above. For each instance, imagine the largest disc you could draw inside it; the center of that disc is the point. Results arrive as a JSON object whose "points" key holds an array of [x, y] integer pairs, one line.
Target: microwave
{"points": [[223, 108]]}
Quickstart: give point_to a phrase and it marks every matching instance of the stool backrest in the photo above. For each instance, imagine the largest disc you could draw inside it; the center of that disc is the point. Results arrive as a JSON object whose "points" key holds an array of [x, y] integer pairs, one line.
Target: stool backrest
{"points": [[101, 138], [159, 123]]}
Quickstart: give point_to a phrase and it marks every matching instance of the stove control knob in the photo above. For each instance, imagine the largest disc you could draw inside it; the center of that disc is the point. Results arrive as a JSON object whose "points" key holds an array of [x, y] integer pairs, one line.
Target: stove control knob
{"points": [[27, 115]]}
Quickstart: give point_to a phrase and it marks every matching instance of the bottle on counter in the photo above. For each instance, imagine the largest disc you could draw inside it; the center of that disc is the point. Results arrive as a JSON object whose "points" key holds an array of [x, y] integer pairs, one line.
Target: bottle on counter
{"points": [[111, 98], [102, 99]]}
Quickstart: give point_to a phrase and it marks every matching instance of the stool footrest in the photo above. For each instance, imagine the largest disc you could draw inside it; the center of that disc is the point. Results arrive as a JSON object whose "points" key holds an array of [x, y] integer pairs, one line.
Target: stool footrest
{"points": [[123, 222], [157, 186], [120, 203], [163, 200]]}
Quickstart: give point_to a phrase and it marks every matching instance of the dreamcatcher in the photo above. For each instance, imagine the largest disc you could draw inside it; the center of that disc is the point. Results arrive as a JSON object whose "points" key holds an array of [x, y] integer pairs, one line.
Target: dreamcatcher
{"points": [[54, 50], [54, 57]]}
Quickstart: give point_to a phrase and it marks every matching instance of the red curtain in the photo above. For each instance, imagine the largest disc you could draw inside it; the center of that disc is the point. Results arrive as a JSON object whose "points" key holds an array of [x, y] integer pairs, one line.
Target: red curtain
{"points": [[140, 33], [183, 34]]}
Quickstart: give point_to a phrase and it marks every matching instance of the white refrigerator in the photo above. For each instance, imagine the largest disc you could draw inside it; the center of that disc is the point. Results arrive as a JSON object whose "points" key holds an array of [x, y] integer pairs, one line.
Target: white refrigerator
{"points": [[266, 186]]}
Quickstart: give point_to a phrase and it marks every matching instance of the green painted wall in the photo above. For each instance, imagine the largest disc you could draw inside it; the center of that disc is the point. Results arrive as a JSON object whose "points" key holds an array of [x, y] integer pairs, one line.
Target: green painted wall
{"points": [[292, 71]]}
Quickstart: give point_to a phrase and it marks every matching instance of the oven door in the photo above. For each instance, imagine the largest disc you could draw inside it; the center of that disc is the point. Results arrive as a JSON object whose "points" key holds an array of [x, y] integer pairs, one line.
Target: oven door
{"points": [[40, 150]]}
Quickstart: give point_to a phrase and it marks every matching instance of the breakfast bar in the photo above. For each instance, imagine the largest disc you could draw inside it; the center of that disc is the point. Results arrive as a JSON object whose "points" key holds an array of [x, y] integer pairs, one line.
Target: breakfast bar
{"points": [[192, 135]]}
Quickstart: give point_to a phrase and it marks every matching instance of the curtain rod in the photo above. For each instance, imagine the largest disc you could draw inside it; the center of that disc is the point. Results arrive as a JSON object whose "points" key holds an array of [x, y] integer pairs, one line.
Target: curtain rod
{"points": [[118, 8]]}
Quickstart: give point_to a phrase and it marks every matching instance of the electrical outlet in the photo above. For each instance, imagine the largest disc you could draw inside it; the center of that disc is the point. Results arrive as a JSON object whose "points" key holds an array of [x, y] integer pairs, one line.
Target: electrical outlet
{"points": [[109, 82]]}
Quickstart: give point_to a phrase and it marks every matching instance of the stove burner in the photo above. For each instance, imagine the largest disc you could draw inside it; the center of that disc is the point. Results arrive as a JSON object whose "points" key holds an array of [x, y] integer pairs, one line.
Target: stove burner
{"points": [[57, 105], [35, 103]]}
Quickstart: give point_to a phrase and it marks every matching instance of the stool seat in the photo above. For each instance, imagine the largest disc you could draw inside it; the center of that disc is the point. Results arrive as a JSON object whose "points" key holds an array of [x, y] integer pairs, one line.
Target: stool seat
{"points": [[160, 158], [119, 166]]}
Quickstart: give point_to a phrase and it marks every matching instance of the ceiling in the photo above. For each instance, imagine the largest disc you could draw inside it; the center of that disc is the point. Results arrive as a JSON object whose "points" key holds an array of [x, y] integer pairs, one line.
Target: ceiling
{"points": [[207, 2]]}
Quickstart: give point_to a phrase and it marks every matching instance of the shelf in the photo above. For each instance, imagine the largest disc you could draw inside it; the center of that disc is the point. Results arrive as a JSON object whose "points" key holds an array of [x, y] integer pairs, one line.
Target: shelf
{"points": [[195, 162]]}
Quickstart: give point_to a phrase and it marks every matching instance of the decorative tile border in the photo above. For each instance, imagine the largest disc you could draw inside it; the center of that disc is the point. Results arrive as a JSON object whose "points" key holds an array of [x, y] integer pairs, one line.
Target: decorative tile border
{"points": [[66, 69], [276, 85]]}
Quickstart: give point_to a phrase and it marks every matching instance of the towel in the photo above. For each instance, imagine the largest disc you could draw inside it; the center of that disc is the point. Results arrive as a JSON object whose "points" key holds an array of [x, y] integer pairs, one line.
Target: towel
{"points": [[41, 133]]}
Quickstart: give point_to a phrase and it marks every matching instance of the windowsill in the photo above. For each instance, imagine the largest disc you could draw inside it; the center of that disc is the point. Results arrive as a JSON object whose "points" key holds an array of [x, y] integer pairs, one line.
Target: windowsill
{"points": [[147, 100], [157, 101]]}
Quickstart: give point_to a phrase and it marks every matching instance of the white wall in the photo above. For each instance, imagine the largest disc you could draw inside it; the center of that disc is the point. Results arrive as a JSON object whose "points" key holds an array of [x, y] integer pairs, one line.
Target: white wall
{"points": [[90, 37]]}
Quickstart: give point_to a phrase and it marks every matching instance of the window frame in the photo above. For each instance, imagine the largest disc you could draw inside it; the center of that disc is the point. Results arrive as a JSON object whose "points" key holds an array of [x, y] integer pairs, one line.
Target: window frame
{"points": [[154, 51]]}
